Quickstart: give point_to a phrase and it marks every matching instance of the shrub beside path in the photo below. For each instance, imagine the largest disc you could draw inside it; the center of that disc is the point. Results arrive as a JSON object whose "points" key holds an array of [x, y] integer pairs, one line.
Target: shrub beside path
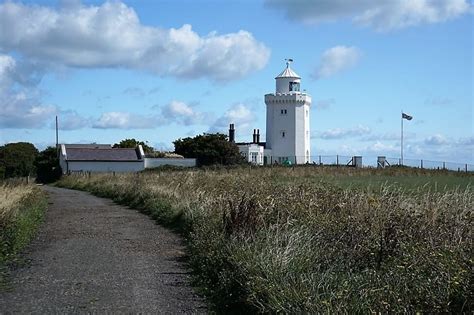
{"points": [[92, 255]]}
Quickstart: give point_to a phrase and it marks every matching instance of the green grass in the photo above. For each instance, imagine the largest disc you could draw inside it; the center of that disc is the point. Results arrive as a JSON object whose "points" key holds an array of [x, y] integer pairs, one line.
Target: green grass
{"points": [[407, 179], [314, 239], [22, 212]]}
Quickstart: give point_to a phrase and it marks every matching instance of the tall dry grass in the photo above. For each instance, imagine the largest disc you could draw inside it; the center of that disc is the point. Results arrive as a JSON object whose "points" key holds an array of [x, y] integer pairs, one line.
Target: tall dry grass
{"points": [[21, 212], [258, 242], [11, 199]]}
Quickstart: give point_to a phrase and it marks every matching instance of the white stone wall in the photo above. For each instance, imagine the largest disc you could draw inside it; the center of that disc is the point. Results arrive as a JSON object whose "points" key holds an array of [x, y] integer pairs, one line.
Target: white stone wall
{"points": [[283, 84], [253, 153], [293, 122], [103, 166]]}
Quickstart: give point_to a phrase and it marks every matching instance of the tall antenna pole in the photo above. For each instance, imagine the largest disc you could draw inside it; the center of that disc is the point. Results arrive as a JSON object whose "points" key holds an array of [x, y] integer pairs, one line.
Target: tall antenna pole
{"points": [[401, 147], [57, 138]]}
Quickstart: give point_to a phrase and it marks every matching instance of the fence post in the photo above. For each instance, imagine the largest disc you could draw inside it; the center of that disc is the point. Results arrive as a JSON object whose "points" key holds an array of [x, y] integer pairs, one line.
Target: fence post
{"points": [[421, 163], [466, 167], [444, 165], [400, 162], [321, 163], [337, 160]]}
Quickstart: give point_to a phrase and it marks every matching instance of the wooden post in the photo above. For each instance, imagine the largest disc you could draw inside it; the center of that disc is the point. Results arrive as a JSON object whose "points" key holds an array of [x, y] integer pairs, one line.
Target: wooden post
{"points": [[444, 165], [320, 160], [337, 160], [466, 167], [421, 163]]}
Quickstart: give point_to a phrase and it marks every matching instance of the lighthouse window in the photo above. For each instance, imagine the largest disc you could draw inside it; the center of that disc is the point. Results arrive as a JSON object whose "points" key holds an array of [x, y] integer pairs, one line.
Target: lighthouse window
{"points": [[294, 86], [284, 112], [283, 133]]}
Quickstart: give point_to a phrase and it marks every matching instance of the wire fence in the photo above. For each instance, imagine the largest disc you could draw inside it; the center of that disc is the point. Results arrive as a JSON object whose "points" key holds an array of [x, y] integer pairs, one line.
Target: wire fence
{"points": [[369, 161]]}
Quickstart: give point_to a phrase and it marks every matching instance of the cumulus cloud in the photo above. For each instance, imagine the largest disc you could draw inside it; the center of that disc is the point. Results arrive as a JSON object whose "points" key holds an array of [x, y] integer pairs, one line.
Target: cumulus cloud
{"points": [[340, 133], [466, 141], [20, 107], [436, 140], [71, 120], [240, 115], [182, 113], [20, 111], [111, 35], [380, 15], [126, 120], [337, 59]]}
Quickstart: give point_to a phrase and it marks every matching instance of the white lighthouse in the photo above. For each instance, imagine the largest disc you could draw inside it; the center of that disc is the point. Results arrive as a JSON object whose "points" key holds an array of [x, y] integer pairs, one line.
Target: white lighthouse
{"points": [[288, 133]]}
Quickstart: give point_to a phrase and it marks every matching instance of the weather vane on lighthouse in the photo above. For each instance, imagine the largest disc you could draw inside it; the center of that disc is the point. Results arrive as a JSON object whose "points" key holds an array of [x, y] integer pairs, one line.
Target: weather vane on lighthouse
{"points": [[288, 61]]}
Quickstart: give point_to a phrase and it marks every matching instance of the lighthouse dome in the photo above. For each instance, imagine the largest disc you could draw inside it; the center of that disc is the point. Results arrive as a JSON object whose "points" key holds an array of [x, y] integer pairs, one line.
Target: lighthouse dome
{"points": [[288, 81]]}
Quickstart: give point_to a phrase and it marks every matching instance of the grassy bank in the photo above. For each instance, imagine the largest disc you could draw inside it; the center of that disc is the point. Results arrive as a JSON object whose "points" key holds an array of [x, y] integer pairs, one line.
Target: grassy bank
{"points": [[21, 211], [312, 240]]}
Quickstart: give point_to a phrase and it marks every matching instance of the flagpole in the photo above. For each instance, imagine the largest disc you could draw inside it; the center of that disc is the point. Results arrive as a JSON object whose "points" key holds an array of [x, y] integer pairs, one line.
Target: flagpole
{"points": [[57, 138], [401, 136]]}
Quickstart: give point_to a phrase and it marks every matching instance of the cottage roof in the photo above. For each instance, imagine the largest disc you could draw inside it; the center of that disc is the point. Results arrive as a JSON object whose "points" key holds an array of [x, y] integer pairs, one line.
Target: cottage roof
{"points": [[102, 154]]}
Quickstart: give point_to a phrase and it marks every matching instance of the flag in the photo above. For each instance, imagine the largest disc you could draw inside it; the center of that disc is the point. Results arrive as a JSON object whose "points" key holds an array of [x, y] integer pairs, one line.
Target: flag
{"points": [[407, 117]]}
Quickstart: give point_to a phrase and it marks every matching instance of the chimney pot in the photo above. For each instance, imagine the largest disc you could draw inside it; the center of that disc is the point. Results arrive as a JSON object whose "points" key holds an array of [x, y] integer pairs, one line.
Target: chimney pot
{"points": [[231, 133]]}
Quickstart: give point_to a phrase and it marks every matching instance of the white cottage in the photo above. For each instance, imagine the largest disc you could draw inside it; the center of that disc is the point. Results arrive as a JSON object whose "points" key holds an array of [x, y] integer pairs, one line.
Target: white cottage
{"points": [[100, 158], [288, 129]]}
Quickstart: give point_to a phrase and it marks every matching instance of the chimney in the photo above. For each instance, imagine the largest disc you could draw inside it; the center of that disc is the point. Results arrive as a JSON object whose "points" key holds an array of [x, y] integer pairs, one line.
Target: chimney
{"points": [[231, 133], [258, 136], [254, 140]]}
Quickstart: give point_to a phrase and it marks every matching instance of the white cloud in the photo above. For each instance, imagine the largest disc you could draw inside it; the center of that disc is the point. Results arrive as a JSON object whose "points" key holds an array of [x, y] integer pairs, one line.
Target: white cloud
{"points": [[239, 114], [340, 133], [20, 111], [71, 120], [20, 108], [436, 140], [111, 35], [125, 120], [377, 14], [387, 136], [182, 113], [466, 141], [337, 59]]}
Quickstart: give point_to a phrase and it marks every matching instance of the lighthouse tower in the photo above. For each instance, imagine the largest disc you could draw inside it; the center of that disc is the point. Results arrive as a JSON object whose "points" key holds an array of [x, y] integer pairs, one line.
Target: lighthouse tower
{"points": [[288, 133]]}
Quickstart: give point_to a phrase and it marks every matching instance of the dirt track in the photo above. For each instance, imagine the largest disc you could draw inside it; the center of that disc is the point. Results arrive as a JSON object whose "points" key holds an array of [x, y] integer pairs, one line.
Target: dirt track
{"points": [[92, 255]]}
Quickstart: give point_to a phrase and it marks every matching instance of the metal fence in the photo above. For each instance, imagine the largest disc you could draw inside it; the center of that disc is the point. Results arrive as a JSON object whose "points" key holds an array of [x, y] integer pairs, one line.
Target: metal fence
{"points": [[370, 161]]}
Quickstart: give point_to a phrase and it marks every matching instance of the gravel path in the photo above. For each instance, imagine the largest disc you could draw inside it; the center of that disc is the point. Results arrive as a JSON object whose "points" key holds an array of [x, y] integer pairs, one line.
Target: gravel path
{"points": [[93, 256]]}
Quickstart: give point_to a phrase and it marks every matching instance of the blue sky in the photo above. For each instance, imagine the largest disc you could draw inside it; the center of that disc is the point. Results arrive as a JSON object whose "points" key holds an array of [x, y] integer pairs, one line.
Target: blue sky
{"points": [[161, 70]]}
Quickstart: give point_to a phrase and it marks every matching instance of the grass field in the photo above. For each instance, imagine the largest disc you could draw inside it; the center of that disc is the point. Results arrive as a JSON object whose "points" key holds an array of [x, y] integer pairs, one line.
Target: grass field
{"points": [[314, 239], [21, 211]]}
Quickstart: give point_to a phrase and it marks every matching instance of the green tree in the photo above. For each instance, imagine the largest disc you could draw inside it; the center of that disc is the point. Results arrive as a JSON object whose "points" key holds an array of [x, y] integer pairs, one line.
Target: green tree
{"points": [[47, 166], [17, 159], [209, 149], [133, 143]]}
